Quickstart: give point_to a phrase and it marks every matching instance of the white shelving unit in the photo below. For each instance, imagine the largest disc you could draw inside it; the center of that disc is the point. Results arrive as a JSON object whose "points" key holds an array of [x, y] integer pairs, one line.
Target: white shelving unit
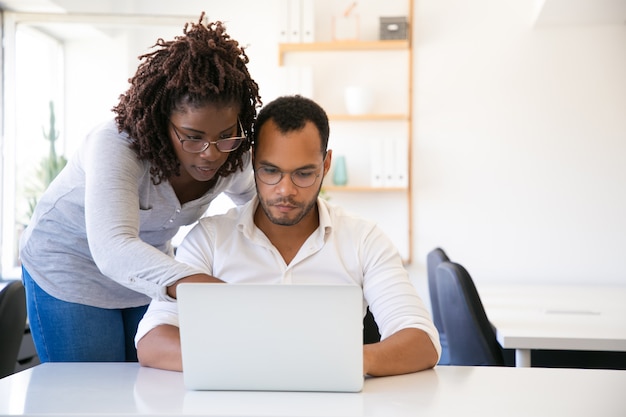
{"points": [[369, 140]]}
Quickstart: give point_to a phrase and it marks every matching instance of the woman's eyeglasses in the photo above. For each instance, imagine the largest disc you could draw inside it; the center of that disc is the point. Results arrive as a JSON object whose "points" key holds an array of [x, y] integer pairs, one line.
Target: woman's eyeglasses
{"points": [[225, 145]]}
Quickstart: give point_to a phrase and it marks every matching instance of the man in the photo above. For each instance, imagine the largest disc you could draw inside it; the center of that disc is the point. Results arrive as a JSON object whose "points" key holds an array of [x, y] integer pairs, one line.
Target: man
{"points": [[287, 234]]}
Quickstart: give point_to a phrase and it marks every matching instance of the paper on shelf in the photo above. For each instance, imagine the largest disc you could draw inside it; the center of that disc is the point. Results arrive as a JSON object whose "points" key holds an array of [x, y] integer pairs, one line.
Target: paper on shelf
{"points": [[296, 79]]}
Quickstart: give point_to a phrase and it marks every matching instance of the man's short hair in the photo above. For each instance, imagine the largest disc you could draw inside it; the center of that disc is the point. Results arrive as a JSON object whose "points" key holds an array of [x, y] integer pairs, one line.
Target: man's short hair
{"points": [[291, 113]]}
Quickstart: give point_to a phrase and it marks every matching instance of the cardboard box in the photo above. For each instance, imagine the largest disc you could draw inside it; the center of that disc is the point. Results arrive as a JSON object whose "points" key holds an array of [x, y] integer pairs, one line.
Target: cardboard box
{"points": [[393, 28]]}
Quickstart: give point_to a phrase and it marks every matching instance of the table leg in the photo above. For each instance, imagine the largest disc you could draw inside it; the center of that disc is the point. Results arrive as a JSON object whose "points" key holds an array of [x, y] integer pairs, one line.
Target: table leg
{"points": [[522, 358]]}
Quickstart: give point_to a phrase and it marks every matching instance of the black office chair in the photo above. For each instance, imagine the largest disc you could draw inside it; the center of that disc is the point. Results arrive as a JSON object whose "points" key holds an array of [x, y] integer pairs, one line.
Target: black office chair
{"points": [[371, 333], [434, 258], [12, 325], [471, 337]]}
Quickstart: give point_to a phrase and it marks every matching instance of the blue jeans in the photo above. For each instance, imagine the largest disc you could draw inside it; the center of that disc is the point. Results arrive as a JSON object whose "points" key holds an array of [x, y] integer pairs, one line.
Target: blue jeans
{"points": [[70, 332]]}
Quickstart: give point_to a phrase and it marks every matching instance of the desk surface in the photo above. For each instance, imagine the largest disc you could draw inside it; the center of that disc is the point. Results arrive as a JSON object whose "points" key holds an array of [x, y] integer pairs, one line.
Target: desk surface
{"points": [[557, 317], [116, 389]]}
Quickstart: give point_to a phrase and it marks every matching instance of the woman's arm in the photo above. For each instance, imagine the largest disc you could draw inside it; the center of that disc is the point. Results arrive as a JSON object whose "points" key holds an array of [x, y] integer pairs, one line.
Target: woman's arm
{"points": [[171, 290], [119, 197]]}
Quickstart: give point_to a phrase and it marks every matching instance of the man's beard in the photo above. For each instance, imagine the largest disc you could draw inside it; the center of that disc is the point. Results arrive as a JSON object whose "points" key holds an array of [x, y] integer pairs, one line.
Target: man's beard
{"points": [[305, 208]]}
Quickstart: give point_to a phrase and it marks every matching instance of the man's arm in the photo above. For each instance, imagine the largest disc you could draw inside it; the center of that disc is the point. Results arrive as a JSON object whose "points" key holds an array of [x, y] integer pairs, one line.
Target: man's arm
{"points": [[408, 350], [160, 348]]}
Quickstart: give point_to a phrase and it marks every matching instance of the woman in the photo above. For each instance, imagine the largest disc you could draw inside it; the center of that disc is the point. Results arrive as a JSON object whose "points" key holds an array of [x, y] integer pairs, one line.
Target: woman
{"points": [[97, 248]]}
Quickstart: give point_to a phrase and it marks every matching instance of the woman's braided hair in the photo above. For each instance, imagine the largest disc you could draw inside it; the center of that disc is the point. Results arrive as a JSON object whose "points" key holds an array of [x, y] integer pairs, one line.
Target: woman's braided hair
{"points": [[203, 66]]}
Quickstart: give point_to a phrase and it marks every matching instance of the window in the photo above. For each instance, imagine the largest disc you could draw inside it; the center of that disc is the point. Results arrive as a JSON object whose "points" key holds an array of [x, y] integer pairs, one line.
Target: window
{"points": [[82, 64], [79, 65], [34, 64]]}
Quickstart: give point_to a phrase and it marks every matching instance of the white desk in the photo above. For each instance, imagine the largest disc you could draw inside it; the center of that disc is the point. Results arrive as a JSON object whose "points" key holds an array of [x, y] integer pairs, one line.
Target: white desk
{"points": [[526, 317], [126, 389]]}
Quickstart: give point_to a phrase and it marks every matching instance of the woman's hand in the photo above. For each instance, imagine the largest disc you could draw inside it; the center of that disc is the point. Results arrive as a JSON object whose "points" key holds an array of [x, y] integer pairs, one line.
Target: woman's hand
{"points": [[171, 290]]}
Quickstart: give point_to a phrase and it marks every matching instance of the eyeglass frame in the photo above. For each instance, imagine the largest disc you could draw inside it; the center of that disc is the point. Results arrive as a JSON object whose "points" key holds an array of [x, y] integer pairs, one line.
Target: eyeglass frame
{"points": [[283, 173], [208, 143]]}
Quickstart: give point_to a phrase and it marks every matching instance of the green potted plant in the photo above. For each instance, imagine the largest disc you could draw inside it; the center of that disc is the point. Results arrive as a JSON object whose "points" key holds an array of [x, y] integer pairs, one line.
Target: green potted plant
{"points": [[50, 165]]}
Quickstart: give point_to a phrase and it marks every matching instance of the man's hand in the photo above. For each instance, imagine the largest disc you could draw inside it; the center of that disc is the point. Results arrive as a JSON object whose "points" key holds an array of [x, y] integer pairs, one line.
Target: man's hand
{"points": [[160, 348], [171, 290], [409, 350]]}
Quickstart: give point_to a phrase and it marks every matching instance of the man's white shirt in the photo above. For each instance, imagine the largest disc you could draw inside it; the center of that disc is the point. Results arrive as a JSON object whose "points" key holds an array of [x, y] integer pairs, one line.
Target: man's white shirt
{"points": [[344, 249]]}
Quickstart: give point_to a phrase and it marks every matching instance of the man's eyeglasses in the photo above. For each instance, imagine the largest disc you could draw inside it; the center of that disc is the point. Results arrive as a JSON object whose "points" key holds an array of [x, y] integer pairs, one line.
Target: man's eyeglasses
{"points": [[197, 145], [302, 178]]}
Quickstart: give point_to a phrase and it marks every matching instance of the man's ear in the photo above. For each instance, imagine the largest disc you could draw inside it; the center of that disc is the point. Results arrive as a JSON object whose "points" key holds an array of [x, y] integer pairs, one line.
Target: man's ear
{"points": [[329, 157]]}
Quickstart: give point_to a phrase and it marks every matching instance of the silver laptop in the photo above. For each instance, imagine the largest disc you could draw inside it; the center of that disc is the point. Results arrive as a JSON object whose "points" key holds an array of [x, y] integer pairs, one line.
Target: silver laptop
{"points": [[271, 337]]}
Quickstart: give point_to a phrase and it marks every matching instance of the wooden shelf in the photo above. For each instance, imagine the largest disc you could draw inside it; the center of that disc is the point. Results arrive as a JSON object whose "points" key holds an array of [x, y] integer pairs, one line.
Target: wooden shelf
{"points": [[367, 117], [340, 46], [322, 57], [361, 189]]}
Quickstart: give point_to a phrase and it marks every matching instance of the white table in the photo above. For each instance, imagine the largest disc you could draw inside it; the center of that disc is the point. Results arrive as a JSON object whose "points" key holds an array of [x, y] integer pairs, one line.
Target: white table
{"points": [[557, 317], [126, 389]]}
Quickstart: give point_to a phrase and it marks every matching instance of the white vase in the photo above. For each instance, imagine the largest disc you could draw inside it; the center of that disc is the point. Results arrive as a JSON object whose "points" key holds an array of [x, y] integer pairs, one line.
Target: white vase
{"points": [[359, 100]]}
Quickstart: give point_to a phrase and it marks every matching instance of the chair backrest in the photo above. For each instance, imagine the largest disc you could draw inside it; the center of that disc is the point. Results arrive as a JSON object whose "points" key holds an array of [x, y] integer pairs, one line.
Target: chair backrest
{"points": [[12, 325], [434, 258], [371, 333], [471, 338]]}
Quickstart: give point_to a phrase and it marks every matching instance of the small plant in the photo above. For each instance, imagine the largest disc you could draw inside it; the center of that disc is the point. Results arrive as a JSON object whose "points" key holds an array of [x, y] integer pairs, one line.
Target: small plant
{"points": [[49, 167]]}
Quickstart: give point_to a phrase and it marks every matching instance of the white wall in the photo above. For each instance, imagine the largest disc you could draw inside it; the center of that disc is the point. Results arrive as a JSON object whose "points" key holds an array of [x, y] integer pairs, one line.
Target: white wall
{"points": [[108, 54], [95, 84], [520, 144], [520, 135]]}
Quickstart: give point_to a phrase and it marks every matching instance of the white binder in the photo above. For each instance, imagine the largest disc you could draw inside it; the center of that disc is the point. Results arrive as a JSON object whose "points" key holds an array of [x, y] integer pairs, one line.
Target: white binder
{"points": [[401, 162], [295, 26], [307, 18], [283, 21], [377, 162]]}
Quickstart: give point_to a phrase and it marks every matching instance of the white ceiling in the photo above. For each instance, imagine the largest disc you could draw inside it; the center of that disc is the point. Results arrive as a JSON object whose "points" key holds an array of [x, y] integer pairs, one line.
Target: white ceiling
{"points": [[581, 12], [549, 11], [31, 6], [93, 6], [79, 19]]}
